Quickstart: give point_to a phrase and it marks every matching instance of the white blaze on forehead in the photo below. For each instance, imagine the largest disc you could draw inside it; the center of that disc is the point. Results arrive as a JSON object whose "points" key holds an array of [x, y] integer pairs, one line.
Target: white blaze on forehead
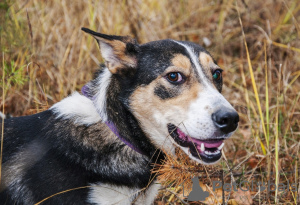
{"points": [[196, 63]]}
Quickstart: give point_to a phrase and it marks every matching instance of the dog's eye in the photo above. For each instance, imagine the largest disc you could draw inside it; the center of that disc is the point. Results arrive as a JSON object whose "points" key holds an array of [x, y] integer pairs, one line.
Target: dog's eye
{"points": [[175, 77], [217, 75]]}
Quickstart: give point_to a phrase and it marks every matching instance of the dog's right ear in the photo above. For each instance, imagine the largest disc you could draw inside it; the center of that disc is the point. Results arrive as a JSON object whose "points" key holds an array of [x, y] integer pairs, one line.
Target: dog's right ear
{"points": [[119, 52]]}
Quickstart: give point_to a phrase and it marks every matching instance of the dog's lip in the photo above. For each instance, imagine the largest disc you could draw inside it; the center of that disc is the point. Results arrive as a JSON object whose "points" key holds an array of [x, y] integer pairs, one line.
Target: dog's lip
{"points": [[211, 143], [208, 150]]}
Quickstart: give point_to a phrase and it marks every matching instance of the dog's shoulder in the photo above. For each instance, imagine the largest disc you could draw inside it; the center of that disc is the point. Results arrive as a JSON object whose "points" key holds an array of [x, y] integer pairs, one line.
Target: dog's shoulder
{"points": [[76, 108]]}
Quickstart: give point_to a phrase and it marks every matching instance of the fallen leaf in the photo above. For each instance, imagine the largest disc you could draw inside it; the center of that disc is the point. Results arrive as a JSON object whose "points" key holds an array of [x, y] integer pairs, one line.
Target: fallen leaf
{"points": [[252, 162], [232, 202], [246, 133], [242, 197]]}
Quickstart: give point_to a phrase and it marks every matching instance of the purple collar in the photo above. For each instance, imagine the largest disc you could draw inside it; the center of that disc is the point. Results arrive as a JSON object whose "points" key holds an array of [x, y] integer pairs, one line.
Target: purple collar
{"points": [[113, 128], [111, 125]]}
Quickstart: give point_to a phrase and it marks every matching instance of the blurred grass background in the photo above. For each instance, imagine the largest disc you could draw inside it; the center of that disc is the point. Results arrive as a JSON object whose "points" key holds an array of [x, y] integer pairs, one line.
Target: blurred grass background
{"points": [[45, 57]]}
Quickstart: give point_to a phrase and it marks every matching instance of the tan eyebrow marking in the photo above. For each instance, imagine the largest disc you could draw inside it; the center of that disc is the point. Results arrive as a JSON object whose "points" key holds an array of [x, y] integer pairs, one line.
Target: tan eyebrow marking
{"points": [[181, 61], [206, 60]]}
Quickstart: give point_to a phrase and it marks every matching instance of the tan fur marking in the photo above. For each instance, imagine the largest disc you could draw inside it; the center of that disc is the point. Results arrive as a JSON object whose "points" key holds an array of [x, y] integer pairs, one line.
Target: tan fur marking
{"points": [[151, 111], [206, 61], [119, 48], [181, 61], [208, 64]]}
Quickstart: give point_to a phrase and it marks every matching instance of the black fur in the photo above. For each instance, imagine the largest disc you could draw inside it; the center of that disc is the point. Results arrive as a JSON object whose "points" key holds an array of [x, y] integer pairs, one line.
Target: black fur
{"points": [[68, 163], [162, 92]]}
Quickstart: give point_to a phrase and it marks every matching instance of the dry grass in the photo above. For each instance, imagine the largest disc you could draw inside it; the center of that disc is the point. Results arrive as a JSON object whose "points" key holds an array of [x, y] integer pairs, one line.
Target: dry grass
{"points": [[45, 57]]}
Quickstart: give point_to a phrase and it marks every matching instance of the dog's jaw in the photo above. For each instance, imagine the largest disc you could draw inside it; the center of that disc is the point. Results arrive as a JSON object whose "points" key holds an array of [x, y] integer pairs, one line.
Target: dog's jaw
{"points": [[202, 151]]}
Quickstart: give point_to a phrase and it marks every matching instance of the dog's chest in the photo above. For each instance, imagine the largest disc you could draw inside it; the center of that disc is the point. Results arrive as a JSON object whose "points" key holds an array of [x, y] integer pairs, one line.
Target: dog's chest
{"points": [[107, 194]]}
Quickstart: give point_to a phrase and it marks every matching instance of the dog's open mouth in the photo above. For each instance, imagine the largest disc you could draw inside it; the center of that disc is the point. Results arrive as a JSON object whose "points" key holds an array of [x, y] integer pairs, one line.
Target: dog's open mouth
{"points": [[209, 151]]}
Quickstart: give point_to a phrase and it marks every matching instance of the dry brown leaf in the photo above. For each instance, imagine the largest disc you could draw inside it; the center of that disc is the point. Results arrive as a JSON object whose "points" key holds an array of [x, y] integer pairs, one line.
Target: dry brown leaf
{"points": [[215, 198], [232, 202], [246, 133], [241, 153], [252, 162], [242, 197]]}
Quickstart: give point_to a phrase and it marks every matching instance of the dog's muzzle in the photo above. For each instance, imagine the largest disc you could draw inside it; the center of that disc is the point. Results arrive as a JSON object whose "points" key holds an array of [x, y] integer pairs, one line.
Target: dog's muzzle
{"points": [[208, 150]]}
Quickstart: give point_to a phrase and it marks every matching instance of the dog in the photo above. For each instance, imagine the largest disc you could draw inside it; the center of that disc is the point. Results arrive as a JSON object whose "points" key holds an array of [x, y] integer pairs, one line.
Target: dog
{"points": [[99, 147]]}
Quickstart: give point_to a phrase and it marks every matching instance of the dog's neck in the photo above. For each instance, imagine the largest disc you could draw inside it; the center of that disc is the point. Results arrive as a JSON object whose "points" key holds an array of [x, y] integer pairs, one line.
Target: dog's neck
{"points": [[113, 128], [124, 122], [117, 111]]}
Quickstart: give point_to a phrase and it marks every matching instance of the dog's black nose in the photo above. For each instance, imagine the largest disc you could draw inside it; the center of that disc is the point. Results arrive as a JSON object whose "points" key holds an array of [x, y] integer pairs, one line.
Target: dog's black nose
{"points": [[226, 121]]}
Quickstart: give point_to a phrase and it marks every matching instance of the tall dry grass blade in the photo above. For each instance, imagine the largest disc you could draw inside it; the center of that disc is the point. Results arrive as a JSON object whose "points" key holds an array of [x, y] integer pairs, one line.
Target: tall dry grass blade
{"points": [[253, 83], [269, 161], [267, 91], [297, 180], [276, 153], [91, 17], [2, 132], [13, 13], [285, 46], [262, 146], [276, 137], [30, 28]]}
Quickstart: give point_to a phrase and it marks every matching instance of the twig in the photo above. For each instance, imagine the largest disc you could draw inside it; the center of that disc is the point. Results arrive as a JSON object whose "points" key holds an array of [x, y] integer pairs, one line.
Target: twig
{"points": [[175, 194]]}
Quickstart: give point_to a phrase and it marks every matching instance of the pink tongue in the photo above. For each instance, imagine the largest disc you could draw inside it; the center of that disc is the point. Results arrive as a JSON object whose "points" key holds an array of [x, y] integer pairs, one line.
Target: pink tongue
{"points": [[207, 144]]}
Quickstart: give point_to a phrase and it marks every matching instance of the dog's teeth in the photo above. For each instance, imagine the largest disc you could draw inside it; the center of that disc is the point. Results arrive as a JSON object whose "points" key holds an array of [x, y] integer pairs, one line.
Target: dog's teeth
{"points": [[212, 153], [221, 146], [202, 148]]}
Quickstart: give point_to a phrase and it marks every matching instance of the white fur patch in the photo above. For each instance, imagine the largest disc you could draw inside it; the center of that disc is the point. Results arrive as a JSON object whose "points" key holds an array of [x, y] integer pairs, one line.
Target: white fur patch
{"points": [[149, 196], [78, 108], [100, 97], [106, 194]]}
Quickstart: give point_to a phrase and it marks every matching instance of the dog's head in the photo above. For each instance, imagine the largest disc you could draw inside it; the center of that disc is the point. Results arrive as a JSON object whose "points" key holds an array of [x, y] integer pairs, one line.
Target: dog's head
{"points": [[173, 90]]}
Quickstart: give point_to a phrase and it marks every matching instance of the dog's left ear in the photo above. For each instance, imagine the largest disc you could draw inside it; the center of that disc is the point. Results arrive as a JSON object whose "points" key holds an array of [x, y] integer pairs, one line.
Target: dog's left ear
{"points": [[119, 52]]}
